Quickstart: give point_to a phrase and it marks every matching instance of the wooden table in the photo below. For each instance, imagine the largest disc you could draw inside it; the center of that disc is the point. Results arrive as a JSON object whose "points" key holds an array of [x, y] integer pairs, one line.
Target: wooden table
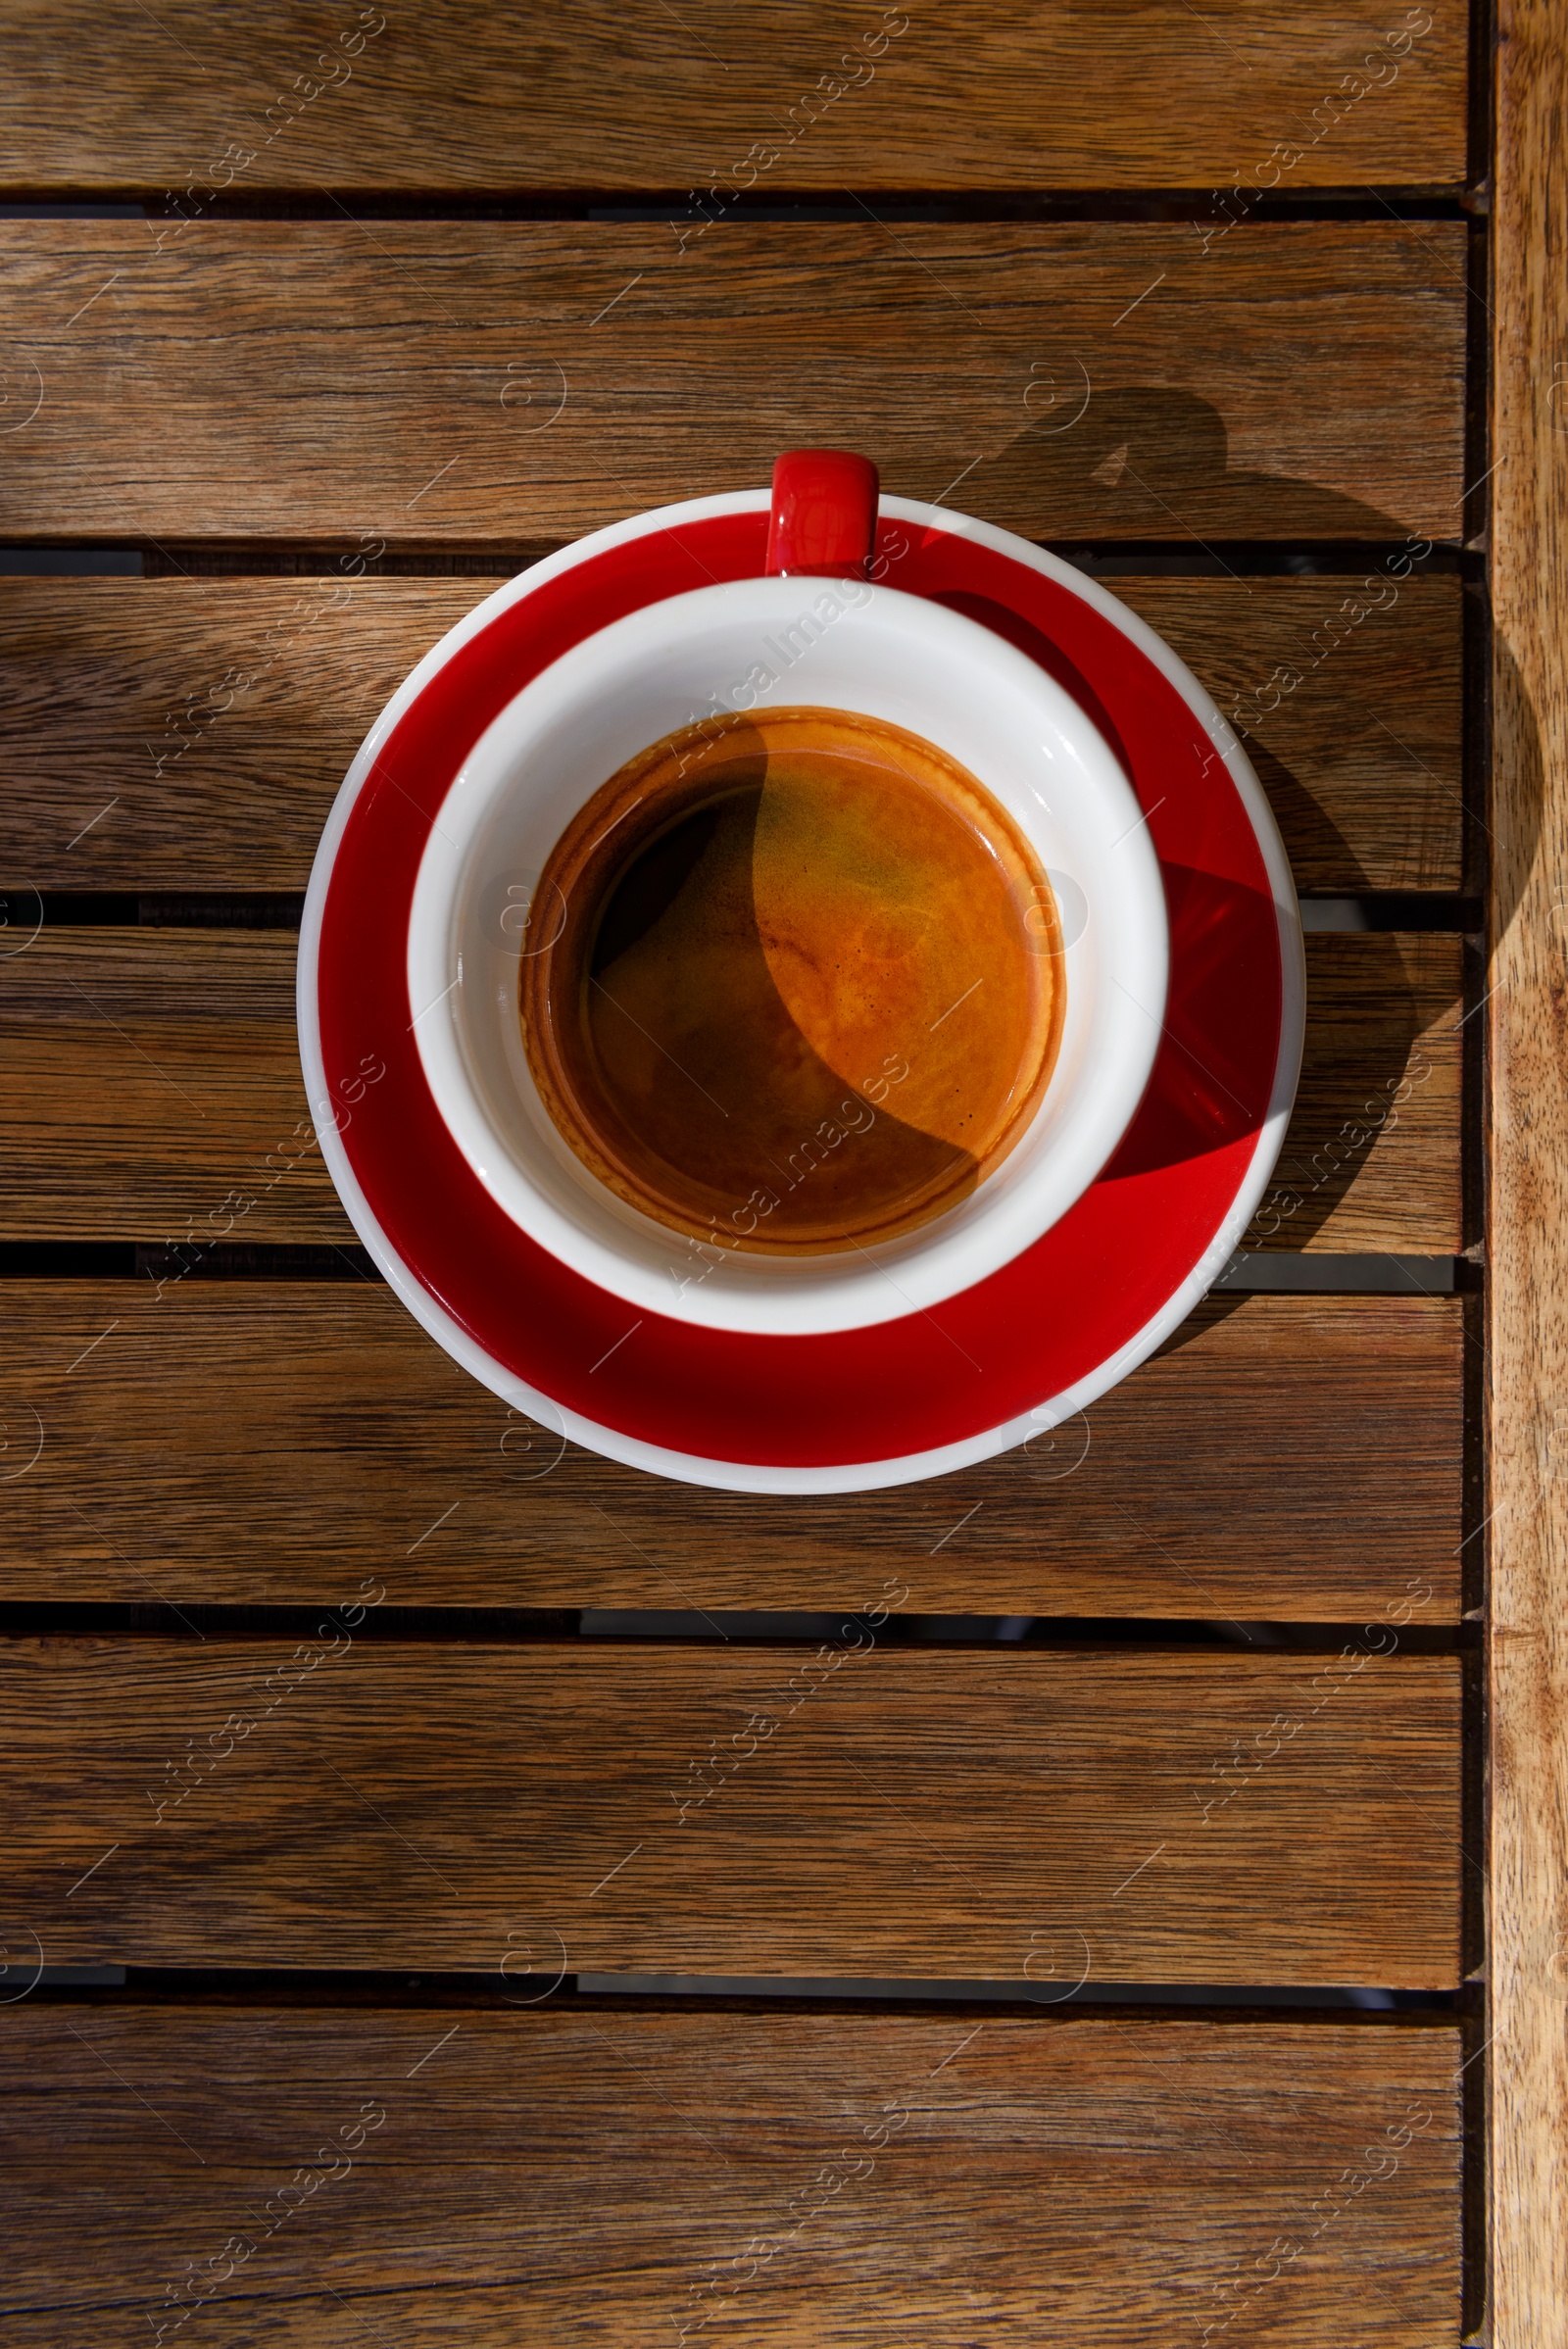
{"points": [[390, 1998]]}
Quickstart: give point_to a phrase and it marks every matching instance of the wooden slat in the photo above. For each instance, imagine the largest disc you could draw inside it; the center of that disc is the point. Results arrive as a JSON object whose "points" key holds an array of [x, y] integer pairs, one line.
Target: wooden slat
{"points": [[969, 96], [1363, 758], [1215, 1817], [1381, 1079], [105, 677], [147, 1074], [1528, 1219], [319, 381], [583, 2174], [152, 1072], [1283, 1459]]}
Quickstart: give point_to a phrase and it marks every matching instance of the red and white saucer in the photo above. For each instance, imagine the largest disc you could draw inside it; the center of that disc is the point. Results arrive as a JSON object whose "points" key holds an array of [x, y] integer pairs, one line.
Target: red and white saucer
{"points": [[937, 1390]]}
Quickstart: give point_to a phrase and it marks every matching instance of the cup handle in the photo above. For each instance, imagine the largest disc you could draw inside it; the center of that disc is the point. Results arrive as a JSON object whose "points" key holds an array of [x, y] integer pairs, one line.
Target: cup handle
{"points": [[824, 521]]}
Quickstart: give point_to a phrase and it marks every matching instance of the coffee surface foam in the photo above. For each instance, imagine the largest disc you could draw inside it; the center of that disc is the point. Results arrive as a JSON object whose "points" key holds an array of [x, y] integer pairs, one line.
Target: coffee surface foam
{"points": [[808, 987]]}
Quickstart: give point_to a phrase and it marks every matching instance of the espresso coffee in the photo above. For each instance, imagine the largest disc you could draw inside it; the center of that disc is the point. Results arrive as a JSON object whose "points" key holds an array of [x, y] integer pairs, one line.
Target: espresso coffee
{"points": [[803, 983]]}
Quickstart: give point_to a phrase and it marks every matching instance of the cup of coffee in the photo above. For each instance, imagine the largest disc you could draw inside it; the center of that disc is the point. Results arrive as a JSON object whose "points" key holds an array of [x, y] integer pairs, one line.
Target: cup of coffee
{"points": [[790, 953]]}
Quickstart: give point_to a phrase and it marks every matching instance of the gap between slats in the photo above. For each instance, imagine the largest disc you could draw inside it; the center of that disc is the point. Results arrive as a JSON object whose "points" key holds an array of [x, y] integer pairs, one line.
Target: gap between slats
{"points": [[979, 206], [236, 1985], [771, 1628], [1216, 559], [259, 909], [131, 1260]]}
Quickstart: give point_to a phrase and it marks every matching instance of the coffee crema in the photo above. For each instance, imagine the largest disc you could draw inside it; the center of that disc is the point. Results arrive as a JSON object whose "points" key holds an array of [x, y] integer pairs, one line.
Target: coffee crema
{"points": [[803, 986]]}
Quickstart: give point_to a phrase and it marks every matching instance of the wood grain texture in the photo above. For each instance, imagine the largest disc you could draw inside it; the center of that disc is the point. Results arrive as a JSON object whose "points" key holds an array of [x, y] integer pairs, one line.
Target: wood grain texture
{"points": [[721, 1809], [149, 1083], [1283, 1459], [586, 2174], [256, 707], [317, 380], [1380, 1078], [1361, 756], [1528, 1222], [971, 95]]}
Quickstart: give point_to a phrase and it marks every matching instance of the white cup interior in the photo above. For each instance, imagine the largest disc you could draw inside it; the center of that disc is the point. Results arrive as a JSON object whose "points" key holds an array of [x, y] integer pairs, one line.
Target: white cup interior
{"points": [[751, 645]]}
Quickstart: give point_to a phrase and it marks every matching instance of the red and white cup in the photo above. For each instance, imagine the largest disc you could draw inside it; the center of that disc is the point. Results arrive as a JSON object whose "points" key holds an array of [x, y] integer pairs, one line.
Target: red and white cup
{"points": [[819, 631]]}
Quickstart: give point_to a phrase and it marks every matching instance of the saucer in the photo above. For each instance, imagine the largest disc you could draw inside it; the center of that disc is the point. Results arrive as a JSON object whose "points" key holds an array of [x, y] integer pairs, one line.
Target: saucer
{"points": [[936, 1389]]}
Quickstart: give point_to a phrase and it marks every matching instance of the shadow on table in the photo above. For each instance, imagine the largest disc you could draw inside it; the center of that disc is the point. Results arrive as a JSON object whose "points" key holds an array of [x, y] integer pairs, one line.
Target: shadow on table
{"points": [[1150, 462], [1153, 463]]}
